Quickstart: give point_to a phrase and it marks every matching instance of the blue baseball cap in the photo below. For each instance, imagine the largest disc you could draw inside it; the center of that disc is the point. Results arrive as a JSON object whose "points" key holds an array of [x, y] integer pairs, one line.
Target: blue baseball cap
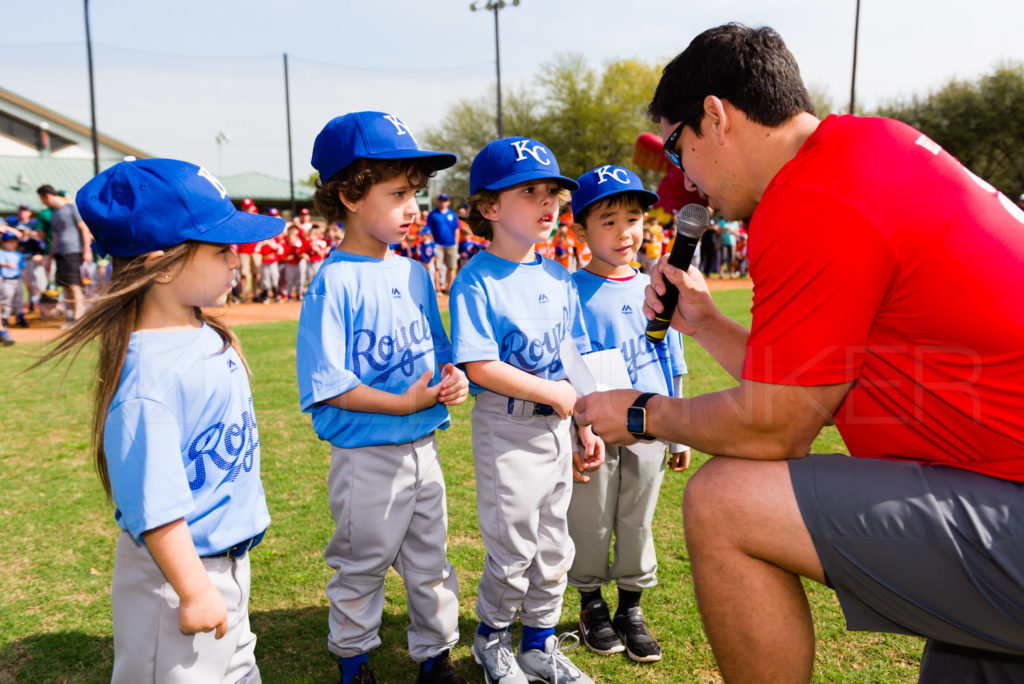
{"points": [[368, 135], [142, 205], [608, 180], [8, 235], [511, 161]]}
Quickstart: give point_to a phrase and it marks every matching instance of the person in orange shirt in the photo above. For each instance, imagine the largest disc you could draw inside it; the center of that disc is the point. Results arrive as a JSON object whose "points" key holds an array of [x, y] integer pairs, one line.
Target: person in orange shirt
{"points": [[564, 247]]}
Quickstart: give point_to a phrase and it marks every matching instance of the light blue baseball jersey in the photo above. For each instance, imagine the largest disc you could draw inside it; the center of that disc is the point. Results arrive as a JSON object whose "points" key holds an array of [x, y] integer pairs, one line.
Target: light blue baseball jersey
{"points": [[13, 263], [516, 313], [373, 322], [613, 313], [181, 440]]}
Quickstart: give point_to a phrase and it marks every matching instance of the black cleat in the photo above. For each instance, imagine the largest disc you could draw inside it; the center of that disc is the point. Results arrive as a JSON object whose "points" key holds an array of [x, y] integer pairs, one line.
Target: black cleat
{"points": [[632, 629], [596, 629]]}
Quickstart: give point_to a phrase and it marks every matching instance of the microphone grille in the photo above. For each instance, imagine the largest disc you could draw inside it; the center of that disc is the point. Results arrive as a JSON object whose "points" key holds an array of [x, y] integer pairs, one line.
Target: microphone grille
{"points": [[692, 220]]}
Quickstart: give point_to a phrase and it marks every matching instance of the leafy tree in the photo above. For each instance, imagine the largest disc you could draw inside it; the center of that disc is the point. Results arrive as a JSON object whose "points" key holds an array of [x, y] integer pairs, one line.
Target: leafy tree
{"points": [[470, 125], [586, 118], [980, 123]]}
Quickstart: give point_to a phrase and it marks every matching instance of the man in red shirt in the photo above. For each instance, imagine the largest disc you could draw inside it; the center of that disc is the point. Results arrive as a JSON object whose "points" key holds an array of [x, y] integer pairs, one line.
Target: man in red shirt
{"points": [[900, 321]]}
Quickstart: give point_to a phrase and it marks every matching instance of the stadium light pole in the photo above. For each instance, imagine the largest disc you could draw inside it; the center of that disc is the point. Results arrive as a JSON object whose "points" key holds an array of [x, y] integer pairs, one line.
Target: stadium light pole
{"points": [[853, 76], [92, 94], [288, 123], [495, 6]]}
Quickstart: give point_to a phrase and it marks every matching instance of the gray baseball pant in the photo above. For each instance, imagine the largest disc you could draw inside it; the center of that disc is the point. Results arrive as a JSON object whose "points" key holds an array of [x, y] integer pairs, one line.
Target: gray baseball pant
{"points": [[523, 485], [390, 510], [148, 644], [12, 301], [619, 499]]}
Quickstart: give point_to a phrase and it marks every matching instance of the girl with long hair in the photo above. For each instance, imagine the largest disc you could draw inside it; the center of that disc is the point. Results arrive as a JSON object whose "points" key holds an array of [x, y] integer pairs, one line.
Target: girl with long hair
{"points": [[176, 444]]}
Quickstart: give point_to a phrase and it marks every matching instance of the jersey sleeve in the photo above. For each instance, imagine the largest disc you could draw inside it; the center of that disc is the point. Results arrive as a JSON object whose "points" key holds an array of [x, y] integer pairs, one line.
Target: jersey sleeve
{"points": [[820, 270], [321, 350], [148, 481], [473, 335]]}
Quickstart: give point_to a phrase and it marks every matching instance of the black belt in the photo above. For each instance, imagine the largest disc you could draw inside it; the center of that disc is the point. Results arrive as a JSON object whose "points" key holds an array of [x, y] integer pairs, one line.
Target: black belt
{"points": [[240, 549], [17, 277], [538, 408]]}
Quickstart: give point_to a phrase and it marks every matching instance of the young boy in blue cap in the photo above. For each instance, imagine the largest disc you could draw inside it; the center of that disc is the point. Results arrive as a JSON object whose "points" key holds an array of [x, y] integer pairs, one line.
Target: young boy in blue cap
{"points": [[374, 370], [12, 263], [510, 311], [619, 498]]}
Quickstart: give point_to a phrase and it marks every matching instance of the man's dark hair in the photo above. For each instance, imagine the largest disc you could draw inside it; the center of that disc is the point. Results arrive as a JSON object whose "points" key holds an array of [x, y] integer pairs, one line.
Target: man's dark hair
{"points": [[46, 190], [750, 67]]}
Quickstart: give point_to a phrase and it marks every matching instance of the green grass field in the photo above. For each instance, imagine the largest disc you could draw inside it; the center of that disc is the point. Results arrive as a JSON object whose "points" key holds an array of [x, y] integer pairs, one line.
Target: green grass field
{"points": [[59, 535]]}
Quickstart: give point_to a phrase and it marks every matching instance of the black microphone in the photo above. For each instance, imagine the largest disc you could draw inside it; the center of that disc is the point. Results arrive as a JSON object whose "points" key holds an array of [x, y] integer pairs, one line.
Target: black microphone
{"points": [[691, 222]]}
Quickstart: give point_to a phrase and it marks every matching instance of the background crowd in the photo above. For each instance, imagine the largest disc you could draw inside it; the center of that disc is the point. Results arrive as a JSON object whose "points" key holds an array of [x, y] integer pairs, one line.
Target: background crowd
{"points": [[279, 269]]}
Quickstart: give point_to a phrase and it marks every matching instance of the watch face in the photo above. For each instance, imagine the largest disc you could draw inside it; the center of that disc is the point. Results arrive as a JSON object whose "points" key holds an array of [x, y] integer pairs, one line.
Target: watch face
{"points": [[636, 420]]}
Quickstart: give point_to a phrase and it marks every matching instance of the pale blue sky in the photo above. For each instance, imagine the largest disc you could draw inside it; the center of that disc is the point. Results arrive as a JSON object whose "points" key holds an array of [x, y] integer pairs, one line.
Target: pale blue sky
{"points": [[171, 75]]}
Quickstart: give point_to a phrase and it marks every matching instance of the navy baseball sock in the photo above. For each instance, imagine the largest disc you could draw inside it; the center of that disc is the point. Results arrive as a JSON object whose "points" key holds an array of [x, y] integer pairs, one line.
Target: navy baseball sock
{"points": [[627, 599], [533, 637], [429, 663], [486, 630], [350, 666]]}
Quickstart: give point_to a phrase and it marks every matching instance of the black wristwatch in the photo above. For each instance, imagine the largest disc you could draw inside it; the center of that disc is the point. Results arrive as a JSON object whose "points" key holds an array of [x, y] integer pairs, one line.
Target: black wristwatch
{"points": [[636, 417]]}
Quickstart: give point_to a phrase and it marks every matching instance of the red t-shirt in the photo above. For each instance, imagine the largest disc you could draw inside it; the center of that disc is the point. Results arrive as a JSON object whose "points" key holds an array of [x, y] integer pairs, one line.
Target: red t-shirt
{"points": [[317, 249], [271, 251], [293, 252], [877, 258]]}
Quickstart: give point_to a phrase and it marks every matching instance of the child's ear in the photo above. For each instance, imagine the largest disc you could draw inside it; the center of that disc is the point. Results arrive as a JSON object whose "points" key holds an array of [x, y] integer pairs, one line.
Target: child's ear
{"points": [[164, 276], [580, 232], [349, 205], [489, 211]]}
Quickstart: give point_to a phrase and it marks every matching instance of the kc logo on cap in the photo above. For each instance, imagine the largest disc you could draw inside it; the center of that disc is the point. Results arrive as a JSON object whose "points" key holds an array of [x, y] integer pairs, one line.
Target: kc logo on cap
{"points": [[608, 180], [510, 161]]}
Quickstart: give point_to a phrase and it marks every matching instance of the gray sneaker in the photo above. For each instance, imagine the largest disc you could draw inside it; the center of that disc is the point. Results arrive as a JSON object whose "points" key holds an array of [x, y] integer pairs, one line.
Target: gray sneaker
{"points": [[495, 654], [550, 664]]}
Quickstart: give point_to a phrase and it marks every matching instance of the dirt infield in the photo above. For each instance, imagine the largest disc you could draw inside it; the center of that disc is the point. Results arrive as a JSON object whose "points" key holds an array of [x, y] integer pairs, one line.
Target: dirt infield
{"points": [[44, 330]]}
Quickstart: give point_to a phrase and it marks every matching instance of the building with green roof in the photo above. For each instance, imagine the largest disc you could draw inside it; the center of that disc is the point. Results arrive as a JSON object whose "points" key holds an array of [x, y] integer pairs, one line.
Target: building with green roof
{"points": [[39, 146]]}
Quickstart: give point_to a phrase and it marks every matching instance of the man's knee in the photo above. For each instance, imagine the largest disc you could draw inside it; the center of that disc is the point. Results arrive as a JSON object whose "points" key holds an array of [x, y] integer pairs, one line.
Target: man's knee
{"points": [[727, 492], [706, 496]]}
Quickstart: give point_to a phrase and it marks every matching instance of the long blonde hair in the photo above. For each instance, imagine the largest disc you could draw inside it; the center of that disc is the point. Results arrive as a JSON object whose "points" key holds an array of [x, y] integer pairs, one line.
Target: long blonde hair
{"points": [[112, 317]]}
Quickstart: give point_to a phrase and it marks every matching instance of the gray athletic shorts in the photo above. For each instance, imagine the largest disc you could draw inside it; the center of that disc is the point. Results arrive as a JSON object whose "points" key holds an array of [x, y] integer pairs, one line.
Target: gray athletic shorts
{"points": [[925, 550]]}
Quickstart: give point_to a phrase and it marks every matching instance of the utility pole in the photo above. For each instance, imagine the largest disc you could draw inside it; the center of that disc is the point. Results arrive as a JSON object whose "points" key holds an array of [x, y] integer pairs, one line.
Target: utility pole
{"points": [[92, 95]]}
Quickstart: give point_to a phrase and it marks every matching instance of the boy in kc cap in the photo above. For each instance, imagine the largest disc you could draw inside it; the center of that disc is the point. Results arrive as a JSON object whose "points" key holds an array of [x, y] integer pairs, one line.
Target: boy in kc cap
{"points": [[374, 370], [619, 497], [510, 310]]}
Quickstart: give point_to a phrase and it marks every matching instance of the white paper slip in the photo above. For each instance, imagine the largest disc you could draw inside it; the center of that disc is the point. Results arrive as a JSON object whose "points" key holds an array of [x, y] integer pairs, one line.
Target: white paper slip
{"points": [[596, 371], [653, 452], [576, 369], [600, 371]]}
